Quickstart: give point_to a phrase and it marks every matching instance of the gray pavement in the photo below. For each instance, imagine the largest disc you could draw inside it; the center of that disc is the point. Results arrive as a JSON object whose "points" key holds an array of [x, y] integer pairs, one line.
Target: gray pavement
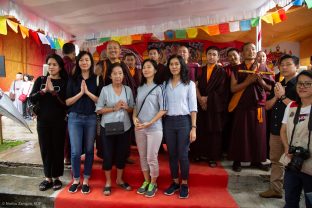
{"points": [[21, 172]]}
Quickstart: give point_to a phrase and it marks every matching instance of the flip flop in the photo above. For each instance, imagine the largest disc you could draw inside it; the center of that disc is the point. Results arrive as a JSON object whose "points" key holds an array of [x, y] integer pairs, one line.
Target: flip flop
{"points": [[125, 186], [107, 190]]}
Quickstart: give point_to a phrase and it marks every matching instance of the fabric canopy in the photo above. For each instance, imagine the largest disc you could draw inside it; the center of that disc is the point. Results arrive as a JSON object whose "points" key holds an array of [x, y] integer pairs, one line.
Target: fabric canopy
{"points": [[87, 19]]}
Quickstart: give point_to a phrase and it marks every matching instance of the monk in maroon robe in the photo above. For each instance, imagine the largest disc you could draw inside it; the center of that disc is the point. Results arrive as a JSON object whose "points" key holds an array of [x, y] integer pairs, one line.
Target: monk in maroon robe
{"points": [[136, 74], [212, 97], [154, 54], [249, 84]]}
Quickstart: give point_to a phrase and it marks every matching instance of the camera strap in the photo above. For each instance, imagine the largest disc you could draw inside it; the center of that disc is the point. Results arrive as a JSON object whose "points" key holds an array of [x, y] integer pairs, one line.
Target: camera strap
{"points": [[296, 120]]}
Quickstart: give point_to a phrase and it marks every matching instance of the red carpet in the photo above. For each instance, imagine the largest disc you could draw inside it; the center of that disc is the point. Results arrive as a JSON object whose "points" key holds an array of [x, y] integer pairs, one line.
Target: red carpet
{"points": [[208, 188]]}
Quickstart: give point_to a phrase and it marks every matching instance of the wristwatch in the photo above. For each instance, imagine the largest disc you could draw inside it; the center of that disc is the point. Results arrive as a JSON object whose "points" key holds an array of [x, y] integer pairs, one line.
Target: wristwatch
{"points": [[283, 97]]}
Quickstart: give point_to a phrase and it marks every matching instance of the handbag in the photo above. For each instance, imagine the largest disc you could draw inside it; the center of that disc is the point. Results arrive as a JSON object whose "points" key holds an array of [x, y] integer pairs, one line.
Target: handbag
{"points": [[115, 128], [22, 97]]}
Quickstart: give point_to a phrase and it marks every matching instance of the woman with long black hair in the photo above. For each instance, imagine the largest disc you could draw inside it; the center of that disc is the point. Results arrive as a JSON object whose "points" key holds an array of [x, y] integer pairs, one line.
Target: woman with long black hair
{"points": [[179, 123], [48, 94], [82, 94]]}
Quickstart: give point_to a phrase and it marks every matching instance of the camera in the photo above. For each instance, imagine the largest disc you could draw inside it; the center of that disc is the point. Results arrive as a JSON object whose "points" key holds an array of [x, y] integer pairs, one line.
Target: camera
{"points": [[300, 154]]}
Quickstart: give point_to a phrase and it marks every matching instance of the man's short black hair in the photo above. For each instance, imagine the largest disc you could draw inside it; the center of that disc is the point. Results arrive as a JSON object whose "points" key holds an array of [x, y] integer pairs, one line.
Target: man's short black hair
{"points": [[215, 48], [230, 50], [129, 54], [68, 48], [287, 56], [154, 48]]}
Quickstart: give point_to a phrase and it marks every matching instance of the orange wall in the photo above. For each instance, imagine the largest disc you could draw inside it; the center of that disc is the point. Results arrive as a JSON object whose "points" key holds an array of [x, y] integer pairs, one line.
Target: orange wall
{"points": [[21, 55], [305, 51]]}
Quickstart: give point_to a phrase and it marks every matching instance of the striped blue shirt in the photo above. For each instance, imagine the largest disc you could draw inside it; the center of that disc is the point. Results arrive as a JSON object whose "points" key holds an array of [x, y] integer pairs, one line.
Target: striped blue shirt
{"points": [[181, 99]]}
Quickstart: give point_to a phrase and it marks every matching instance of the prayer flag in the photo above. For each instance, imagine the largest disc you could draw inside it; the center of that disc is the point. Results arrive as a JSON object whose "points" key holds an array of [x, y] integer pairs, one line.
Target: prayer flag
{"points": [[255, 21], [24, 31], [43, 39], [125, 40], [160, 35], [35, 36], [234, 26], [170, 34], [136, 37], [56, 44], [245, 25], [3, 26], [268, 19], [276, 17], [180, 34], [61, 42], [298, 2], [224, 28], [192, 32], [13, 25], [102, 40], [52, 45], [204, 28], [309, 3], [213, 30], [282, 14]]}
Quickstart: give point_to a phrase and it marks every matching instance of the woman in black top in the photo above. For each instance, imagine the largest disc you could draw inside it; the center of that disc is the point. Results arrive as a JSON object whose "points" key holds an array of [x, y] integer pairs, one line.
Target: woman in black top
{"points": [[49, 94], [82, 94]]}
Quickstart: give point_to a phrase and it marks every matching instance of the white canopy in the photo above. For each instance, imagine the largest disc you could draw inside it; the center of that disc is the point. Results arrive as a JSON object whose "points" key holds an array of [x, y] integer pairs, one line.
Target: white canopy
{"points": [[87, 19]]}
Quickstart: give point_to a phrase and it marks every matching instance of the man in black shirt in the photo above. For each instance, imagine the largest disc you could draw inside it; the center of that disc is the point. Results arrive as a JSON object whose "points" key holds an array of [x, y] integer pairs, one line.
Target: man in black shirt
{"points": [[282, 94]]}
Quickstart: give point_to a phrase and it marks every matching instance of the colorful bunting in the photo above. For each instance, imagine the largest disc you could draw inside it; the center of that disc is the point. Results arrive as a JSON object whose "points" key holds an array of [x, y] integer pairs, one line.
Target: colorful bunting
{"points": [[35, 36], [13, 25], [180, 34], [282, 14], [3, 26], [224, 28], [268, 18], [191, 32], [56, 43], [24, 31], [204, 28], [213, 30], [309, 3], [245, 25], [102, 40], [125, 40], [159, 35], [298, 2], [170, 34], [255, 21], [43, 39], [136, 37], [276, 17], [52, 45], [234, 26], [61, 42]]}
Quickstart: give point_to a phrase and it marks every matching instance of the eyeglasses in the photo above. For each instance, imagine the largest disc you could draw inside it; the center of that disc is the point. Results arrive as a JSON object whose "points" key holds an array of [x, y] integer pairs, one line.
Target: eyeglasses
{"points": [[304, 84]]}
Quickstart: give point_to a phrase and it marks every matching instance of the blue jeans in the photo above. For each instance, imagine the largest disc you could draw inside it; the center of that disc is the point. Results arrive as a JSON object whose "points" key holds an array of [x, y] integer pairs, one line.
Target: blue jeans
{"points": [[177, 134], [294, 182], [82, 129]]}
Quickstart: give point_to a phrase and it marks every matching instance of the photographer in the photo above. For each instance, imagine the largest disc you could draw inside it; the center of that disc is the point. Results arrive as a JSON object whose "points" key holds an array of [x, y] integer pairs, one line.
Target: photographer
{"points": [[296, 138]]}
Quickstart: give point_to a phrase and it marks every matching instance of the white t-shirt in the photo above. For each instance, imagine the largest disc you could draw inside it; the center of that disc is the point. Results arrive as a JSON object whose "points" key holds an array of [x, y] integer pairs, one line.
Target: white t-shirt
{"points": [[304, 113]]}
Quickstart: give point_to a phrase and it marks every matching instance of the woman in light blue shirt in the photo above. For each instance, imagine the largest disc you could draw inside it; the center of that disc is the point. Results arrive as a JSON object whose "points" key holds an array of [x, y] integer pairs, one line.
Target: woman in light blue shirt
{"points": [[150, 107], [115, 103], [180, 123]]}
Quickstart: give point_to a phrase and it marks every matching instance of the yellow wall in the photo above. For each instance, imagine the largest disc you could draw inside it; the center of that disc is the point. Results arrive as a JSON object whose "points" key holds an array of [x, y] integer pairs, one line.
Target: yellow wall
{"points": [[21, 55]]}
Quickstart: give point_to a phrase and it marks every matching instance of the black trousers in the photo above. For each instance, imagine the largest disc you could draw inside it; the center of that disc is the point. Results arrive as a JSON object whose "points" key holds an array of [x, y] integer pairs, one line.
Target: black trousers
{"points": [[115, 149], [51, 140]]}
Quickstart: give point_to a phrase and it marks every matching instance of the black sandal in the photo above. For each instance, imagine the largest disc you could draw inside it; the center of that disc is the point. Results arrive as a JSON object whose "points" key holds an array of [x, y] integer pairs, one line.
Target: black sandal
{"points": [[57, 184], [45, 185], [107, 191], [125, 186]]}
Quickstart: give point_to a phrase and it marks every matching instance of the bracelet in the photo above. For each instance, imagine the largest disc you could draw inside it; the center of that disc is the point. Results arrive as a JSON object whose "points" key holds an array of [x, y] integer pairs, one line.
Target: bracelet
{"points": [[194, 127], [283, 97]]}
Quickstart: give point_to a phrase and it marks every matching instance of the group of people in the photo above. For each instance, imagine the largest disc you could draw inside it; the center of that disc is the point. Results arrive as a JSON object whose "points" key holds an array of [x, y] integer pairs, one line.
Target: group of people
{"points": [[22, 85], [202, 110]]}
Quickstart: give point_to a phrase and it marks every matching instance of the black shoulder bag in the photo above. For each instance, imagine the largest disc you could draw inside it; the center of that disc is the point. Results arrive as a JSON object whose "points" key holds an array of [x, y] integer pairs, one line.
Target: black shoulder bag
{"points": [[145, 99], [115, 128]]}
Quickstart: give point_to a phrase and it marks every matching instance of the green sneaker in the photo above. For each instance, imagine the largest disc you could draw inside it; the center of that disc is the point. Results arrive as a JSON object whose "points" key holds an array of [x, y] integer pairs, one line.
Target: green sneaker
{"points": [[151, 191], [143, 188]]}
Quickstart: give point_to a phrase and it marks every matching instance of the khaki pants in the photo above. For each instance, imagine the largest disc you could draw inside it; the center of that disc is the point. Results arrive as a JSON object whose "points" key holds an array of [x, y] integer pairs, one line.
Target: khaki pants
{"points": [[277, 170]]}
